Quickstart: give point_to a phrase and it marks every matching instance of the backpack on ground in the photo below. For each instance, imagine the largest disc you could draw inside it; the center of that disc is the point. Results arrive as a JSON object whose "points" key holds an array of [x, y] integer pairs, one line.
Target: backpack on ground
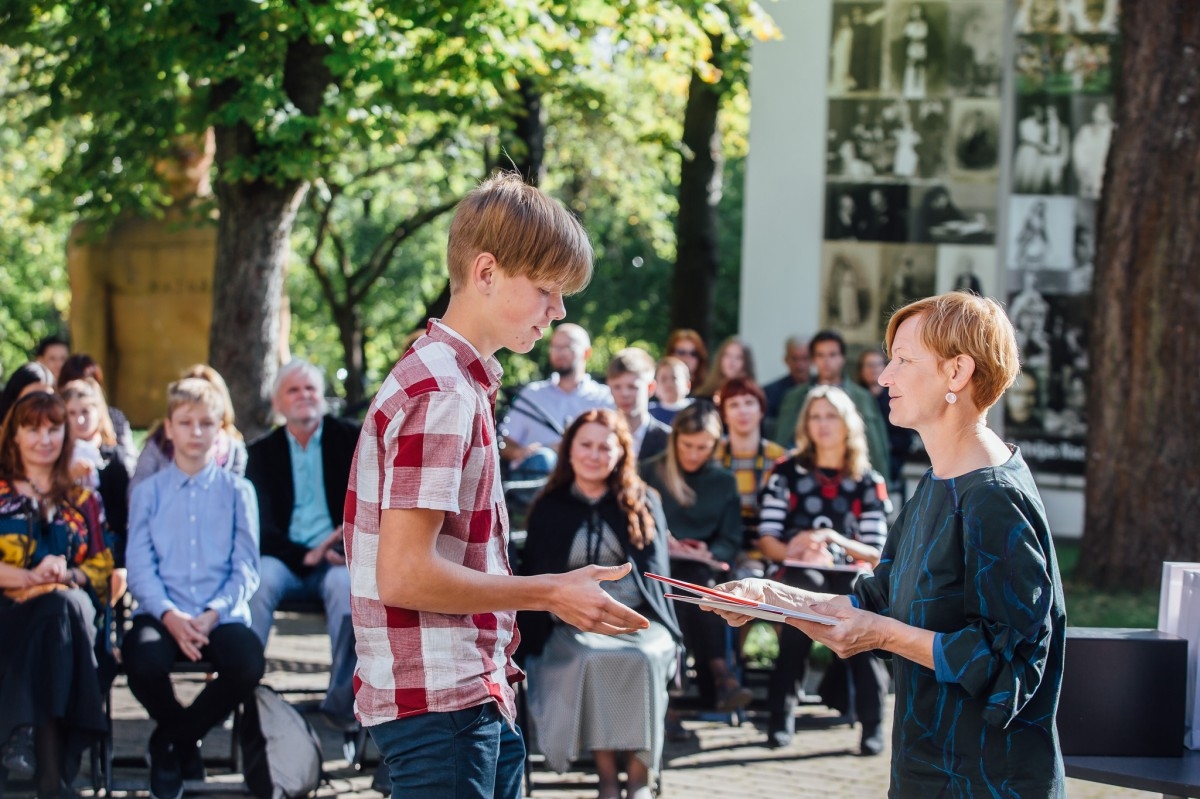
{"points": [[281, 753]]}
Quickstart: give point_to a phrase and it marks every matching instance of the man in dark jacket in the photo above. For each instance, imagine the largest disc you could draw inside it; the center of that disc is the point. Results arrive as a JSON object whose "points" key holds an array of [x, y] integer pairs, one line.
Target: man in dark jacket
{"points": [[300, 472]]}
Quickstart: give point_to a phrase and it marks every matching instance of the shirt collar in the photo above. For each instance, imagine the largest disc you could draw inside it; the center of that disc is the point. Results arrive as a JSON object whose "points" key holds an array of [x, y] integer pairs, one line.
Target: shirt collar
{"points": [[203, 478], [315, 439], [487, 373]]}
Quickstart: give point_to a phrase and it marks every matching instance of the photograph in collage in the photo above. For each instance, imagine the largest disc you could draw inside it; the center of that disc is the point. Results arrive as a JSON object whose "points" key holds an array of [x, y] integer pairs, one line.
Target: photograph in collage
{"points": [[1089, 148], [917, 36], [975, 56], [886, 139], [856, 48], [1041, 232], [953, 213], [965, 268], [866, 212], [975, 138], [850, 301], [1042, 145], [908, 272]]}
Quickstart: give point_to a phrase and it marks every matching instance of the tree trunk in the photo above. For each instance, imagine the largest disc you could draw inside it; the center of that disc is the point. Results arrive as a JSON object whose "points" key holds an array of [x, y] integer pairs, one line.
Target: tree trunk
{"points": [[1143, 469], [252, 249], [696, 258], [350, 333]]}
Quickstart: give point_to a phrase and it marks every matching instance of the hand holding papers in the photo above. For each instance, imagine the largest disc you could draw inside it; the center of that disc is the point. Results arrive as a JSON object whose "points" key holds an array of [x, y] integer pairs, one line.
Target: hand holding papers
{"points": [[720, 600]]}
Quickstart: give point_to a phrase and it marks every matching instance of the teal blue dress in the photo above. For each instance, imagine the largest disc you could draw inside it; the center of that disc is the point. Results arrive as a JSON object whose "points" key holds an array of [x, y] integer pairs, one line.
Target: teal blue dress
{"points": [[971, 559]]}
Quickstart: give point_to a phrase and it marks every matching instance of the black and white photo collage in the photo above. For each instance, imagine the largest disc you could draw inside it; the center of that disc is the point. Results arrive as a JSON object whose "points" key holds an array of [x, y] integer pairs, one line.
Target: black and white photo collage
{"points": [[912, 156], [1064, 53]]}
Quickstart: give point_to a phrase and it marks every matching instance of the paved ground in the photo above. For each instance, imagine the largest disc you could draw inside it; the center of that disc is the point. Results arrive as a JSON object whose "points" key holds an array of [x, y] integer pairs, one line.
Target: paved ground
{"points": [[724, 762]]}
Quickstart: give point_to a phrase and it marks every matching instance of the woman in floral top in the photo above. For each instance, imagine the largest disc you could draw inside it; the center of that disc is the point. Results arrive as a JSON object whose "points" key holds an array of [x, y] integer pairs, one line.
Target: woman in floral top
{"points": [[54, 571]]}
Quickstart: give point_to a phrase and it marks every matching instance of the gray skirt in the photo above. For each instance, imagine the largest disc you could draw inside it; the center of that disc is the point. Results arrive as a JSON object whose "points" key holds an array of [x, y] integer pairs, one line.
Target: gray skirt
{"points": [[599, 692]]}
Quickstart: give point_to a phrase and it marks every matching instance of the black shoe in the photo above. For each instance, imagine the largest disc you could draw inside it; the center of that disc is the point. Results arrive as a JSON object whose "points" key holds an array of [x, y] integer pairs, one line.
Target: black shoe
{"points": [[872, 740], [191, 763], [166, 779]]}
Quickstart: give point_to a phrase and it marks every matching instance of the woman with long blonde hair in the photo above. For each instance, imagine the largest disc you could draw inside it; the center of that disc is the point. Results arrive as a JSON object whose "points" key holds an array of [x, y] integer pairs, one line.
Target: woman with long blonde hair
{"points": [[824, 509], [595, 510]]}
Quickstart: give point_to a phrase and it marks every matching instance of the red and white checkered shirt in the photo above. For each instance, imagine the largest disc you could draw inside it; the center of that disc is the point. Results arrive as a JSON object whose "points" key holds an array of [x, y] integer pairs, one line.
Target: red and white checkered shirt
{"points": [[429, 441]]}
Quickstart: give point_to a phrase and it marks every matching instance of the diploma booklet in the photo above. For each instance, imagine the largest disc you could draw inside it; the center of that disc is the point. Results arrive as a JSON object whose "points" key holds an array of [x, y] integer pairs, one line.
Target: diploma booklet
{"points": [[719, 600]]}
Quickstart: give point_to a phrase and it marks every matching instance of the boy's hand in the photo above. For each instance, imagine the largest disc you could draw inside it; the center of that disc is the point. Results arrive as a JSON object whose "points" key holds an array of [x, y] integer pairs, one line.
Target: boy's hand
{"points": [[581, 602], [181, 628], [205, 622]]}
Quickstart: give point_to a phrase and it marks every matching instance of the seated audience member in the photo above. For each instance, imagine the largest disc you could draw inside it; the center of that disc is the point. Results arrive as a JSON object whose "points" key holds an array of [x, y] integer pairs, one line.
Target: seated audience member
{"points": [[54, 572], [672, 384], [52, 352], [95, 449], [749, 455], [795, 357], [541, 411], [82, 365], [630, 378], [688, 346], [870, 366], [702, 509], [824, 506], [590, 692], [300, 472], [193, 566], [229, 450], [828, 350], [734, 359], [26, 379]]}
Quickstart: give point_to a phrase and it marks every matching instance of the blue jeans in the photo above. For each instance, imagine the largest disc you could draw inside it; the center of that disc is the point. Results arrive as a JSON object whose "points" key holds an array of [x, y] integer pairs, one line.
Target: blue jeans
{"points": [[463, 754], [331, 585]]}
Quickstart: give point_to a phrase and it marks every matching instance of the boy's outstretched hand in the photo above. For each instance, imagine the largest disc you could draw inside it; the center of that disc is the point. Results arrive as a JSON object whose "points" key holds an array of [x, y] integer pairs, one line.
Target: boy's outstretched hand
{"points": [[579, 600]]}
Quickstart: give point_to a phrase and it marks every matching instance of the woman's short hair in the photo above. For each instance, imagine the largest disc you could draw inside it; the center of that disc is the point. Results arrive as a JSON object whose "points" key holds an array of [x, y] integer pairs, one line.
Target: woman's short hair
{"points": [[80, 365], [701, 416], [741, 386], [857, 460], [958, 323], [34, 410], [528, 232], [623, 482]]}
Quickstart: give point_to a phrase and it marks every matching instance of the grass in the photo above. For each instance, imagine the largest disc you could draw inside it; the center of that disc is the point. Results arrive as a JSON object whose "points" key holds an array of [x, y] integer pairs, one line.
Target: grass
{"points": [[1086, 607]]}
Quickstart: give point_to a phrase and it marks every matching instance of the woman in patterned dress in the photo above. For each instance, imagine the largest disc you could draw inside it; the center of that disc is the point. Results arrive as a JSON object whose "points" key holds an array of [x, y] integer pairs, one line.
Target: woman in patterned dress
{"points": [[966, 597], [592, 692], [825, 507], [54, 572]]}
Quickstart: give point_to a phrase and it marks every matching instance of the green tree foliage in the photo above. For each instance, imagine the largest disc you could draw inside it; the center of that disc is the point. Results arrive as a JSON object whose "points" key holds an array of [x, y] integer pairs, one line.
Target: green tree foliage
{"points": [[33, 275]]}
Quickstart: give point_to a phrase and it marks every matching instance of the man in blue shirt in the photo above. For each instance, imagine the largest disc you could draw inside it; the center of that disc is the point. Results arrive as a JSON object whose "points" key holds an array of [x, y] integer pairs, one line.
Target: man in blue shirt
{"points": [[300, 472], [193, 566]]}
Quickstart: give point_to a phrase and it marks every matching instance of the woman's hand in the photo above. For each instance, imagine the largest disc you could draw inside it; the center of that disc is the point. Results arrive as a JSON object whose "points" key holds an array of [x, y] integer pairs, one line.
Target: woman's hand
{"points": [[52, 569], [82, 471], [856, 631], [769, 592], [809, 546]]}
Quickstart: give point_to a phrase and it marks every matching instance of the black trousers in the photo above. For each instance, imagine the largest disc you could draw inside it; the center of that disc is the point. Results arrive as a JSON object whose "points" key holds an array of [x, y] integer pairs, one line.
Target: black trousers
{"points": [[150, 651], [864, 692], [704, 633]]}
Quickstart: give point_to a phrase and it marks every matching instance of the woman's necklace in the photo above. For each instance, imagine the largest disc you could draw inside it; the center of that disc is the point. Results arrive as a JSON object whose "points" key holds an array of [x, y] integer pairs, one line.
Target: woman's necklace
{"points": [[828, 483]]}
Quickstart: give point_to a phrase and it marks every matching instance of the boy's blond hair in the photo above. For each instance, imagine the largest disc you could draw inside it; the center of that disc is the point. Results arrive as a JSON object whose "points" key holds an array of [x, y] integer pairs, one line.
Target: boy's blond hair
{"points": [[195, 391], [528, 232]]}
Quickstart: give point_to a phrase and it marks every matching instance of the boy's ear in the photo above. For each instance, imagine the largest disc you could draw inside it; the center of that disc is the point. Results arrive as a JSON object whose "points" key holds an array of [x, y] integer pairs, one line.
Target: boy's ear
{"points": [[483, 272], [167, 428]]}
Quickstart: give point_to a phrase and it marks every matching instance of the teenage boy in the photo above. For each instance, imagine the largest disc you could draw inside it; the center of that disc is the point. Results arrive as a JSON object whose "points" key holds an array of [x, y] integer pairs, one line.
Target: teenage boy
{"points": [[432, 596], [193, 566], [630, 377]]}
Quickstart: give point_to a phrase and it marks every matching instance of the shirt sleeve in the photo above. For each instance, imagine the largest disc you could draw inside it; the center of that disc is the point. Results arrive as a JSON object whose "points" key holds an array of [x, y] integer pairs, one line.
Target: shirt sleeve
{"points": [[141, 559], [1002, 652], [425, 451], [243, 578], [773, 501], [872, 519]]}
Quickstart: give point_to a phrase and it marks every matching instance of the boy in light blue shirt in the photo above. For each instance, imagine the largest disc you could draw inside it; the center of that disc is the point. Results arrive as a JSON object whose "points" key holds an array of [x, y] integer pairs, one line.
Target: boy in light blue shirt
{"points": [[193, 565]]}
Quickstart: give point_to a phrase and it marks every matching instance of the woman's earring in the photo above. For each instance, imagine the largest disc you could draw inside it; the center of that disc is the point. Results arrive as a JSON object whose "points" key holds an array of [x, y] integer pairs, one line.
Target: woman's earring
{"points": [[951, 397]]}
